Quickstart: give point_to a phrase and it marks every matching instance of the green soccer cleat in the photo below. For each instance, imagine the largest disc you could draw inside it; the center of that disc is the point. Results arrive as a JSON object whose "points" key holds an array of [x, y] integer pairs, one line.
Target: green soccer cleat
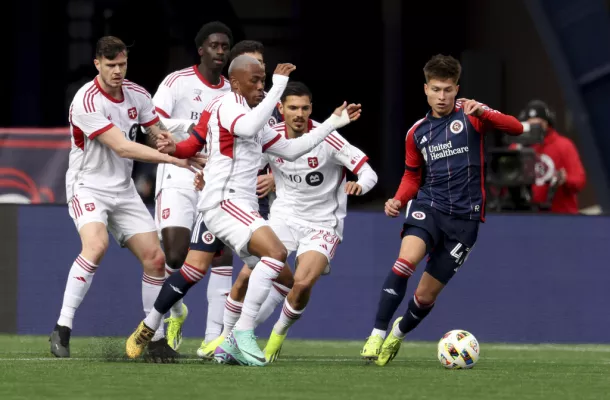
{"points": [[174, 328], [246, 343], [228, 352], [390, 347], [371, 348], [274, 346], [206, 350]]}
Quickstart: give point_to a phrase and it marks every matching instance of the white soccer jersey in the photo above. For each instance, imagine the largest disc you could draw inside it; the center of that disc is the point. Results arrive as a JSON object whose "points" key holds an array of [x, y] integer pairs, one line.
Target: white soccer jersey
{"points": [[93, 111], [234, 162], [183, 95], [311, 189]]}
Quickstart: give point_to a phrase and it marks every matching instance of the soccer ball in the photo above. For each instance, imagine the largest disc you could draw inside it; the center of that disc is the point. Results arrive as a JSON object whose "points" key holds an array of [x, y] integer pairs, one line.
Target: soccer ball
{"points": [[458, 349]]}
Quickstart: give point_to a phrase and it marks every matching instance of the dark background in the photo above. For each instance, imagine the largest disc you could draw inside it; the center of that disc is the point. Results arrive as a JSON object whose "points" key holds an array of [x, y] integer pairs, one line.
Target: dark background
{"points": [[372, 53]]}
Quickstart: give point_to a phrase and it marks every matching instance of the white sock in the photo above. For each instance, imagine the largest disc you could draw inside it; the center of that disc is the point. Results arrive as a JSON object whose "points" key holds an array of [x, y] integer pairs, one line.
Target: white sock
{"points": [[219, 287], [176, 310], [79, 281], [275, 298], [379, 332], [398, 333], [153, 320], [265, 272], [231, 315], [288, 317], [151, 286]]}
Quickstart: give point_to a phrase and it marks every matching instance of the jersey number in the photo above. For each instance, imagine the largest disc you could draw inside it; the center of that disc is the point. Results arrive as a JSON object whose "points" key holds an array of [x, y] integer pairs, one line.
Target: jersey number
{"points": [[459, 254]]}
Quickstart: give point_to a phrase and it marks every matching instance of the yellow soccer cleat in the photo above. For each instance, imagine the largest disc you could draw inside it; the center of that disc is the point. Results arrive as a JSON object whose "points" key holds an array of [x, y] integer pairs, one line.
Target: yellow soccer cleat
{"points": [[206, 350], [274, 346], [136, 343], [174, 328], [372, 347], [390, 347]]}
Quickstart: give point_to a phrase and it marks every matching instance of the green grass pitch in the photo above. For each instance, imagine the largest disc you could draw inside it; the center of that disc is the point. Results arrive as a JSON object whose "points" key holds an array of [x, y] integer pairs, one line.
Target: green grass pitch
{"points": [[306, 370]]}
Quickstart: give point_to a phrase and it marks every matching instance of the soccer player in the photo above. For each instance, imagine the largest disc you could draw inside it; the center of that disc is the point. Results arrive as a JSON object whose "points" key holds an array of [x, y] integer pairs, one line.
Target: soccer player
{"points": [[105, 116], [183, 95], [238, 134], [219, 297], [309, 211], [443, 191]]}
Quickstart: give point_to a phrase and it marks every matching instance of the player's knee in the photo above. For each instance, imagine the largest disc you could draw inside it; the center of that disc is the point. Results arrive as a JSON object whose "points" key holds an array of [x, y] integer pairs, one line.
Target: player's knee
{"points": [[424, 297], [154, 261], [175, 257], [278, 253], [95, 250]]}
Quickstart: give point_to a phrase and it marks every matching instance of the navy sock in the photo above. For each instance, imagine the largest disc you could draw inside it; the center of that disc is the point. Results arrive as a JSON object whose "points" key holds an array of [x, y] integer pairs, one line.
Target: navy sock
{"points": [[176, 287], [393, 292], [414, 315]]}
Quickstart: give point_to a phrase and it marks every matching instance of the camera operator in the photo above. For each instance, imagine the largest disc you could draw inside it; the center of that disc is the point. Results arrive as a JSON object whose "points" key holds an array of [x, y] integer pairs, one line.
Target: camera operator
{"points": [[559, 171]]}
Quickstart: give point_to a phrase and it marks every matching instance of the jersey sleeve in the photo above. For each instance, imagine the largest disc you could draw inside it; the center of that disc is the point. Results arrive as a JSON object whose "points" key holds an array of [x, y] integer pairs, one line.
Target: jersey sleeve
{"points": [[89, 118], [147, 115], [344, 153], [230, 111], [411, 179], [165, 98], [493, 119]]}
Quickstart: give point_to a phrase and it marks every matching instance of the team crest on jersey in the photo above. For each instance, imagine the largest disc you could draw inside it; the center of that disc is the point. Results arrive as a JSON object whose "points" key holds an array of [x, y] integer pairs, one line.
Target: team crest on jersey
{"points": [[89, 206], [133, 113], [272, 121], [165, 213], [312, 161], [208, 237], [456, 127], [355, 159], [418, 215]]}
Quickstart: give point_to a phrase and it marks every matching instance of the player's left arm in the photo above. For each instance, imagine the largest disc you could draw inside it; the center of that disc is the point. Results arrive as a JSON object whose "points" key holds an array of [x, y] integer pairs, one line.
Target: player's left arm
{"points": [[485, 118], [355, 160]]}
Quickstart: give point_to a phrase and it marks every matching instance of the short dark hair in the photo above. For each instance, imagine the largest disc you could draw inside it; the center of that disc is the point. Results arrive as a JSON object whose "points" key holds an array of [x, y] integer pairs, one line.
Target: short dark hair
{"points": [[443, 67], [109, 47], [294, 88], [209, 29], [246, 46]]}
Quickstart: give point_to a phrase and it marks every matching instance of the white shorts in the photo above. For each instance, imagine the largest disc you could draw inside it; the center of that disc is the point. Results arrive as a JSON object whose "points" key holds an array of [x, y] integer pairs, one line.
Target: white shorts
{"points": [[123, 216], [233, 222], [176, 207], [303, 239]]}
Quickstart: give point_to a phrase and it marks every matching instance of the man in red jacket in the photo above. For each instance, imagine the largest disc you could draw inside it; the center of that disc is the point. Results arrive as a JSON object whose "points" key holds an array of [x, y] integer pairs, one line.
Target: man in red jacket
{"points": [[559, 171]]}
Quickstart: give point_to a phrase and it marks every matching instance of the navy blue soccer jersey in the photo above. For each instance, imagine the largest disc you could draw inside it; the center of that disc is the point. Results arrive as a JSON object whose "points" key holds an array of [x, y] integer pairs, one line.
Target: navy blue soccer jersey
{"points": [[445, 161]]}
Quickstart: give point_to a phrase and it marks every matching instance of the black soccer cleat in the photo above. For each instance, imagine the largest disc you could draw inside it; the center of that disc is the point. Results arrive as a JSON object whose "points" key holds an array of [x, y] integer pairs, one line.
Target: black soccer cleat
{"points": [[60, 341], [161, 353]]}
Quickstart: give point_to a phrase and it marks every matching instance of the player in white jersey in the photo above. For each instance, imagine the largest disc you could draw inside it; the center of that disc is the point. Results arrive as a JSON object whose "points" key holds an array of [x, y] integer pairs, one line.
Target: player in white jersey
{"points": [[308, 213], [182, 96], [104, 117], [238, 135]]}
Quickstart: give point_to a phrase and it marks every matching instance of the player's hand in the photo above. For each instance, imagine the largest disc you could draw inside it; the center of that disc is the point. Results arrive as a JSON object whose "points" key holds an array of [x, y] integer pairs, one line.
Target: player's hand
{"points": [[392, 208], [265, 185], [199, 181], [166, 143], [193, 164], [471, 107], [284, 69], [353, 188]]}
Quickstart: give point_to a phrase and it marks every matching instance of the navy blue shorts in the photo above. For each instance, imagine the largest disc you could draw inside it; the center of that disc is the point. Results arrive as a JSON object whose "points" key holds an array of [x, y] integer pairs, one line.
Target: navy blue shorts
{"points": [[263, 207], [203, 240], [448, 238]]}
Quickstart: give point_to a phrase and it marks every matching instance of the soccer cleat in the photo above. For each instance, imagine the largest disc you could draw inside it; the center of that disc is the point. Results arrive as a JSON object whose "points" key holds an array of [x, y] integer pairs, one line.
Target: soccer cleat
{"points": [[174, 328], [207, 349], [138, 340], [372, 347], [274, 346], [228, 352], [246, 343], [390, 347], [160, 352], [60, 341]]}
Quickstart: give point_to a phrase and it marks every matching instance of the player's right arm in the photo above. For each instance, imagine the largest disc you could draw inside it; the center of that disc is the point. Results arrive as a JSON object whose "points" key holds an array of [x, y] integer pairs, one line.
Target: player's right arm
{"points": [[96, 126], [241, 122], [411, 179]]}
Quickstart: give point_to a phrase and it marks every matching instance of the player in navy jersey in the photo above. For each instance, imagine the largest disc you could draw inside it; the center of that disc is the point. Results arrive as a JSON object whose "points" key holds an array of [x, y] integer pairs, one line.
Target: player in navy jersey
{"points": [[443, 191]]}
